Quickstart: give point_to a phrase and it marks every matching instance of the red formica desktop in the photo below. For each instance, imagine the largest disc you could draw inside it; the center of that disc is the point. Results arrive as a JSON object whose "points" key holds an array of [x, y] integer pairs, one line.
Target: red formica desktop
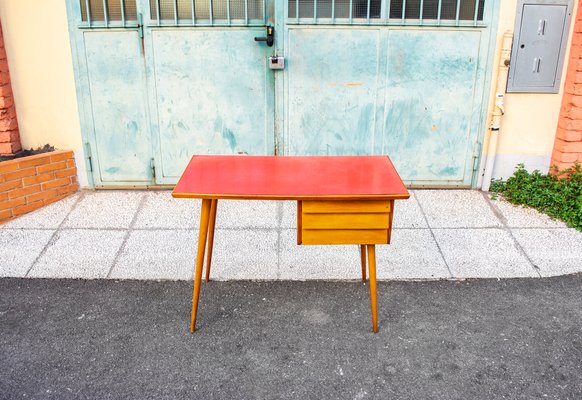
{"points": [[340, 200]]}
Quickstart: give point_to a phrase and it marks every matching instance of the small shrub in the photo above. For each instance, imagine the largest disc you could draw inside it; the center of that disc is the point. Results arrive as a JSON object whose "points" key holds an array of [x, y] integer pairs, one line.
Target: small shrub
{"points": [[558, 195]]}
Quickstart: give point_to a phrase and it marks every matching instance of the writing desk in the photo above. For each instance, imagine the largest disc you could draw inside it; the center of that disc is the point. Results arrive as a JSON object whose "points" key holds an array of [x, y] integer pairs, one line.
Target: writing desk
{"points": [[340, 200]]}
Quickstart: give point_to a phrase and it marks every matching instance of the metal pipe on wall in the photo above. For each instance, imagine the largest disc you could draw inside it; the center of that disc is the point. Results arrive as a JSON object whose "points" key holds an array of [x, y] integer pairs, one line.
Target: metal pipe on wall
{"points": [[498, 109]]}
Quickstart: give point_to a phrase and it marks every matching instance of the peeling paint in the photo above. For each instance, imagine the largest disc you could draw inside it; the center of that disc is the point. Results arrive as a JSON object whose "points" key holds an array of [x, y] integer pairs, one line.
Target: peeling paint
{"points": [[229, 137], [120, 120], [219, 112], [347, 84]]}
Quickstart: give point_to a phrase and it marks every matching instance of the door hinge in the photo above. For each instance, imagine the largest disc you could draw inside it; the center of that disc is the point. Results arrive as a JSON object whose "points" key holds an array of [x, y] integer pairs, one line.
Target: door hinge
{"points": [[153, 167], [89, 156], [140, 25], [140, 32], [476, 156]]}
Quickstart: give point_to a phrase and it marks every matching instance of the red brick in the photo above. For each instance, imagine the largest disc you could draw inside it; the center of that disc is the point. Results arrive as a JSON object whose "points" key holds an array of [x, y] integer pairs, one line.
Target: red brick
{"points": [[38, 179], [70, 163], [66, 173], [42, 196], [68, 189], [5, 205], [15, 136], [4, 65], [27, 208], [558, 156], [55, 199], [33, 161], [7, 148], [24, 191], [3, 197], [569, 136], [4, 78], [51, 167], [9, 136], [8, 124], [56, 183], [577, 89], [6, 90], [10, 176], [8, 166], [5, 215], [6, 101], [574, 113], [570, 124], [576, 39], [568, 147], [61, 155], [561, 166], [8, 112], [4, 187]]}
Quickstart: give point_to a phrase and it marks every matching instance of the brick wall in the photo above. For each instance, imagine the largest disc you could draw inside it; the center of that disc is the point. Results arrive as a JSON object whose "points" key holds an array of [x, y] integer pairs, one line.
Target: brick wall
{"points": [[29, 183], [568, 144], [9, 136]]}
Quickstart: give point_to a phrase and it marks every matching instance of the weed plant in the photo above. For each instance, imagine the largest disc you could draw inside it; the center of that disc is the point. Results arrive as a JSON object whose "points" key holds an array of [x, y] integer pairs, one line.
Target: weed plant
{"points": [[558, 194]]}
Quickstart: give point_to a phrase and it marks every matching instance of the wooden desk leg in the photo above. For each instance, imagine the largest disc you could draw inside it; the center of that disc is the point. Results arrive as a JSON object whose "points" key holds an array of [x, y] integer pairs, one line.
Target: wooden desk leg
{"points": [[211, 237], [202, 234], [373, 300], [363, 256]]}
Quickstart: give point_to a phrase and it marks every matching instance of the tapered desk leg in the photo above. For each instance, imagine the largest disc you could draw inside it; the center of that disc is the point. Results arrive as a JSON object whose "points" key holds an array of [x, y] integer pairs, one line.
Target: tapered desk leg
{"points": [[373, 300], [211, 237], [363, 256], [202, 233]]}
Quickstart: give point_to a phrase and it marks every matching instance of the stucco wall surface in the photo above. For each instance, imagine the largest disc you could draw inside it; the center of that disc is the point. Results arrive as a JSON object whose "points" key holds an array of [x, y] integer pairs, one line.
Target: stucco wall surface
{"points": [[528, 128], [39, 54]]}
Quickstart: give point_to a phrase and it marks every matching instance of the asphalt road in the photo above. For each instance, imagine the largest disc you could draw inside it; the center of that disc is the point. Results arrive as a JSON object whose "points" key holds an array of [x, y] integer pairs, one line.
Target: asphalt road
{"points": [[484, 339]]}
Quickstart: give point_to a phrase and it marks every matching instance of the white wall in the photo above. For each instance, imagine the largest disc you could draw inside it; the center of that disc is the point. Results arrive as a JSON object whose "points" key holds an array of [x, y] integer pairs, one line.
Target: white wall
{"points": [[37, 44], [528, 128]]}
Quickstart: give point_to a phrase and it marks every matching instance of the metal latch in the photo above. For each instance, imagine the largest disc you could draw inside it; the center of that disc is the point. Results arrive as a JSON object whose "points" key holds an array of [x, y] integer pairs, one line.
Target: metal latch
{"points": [[270, 39], [276, 62]]}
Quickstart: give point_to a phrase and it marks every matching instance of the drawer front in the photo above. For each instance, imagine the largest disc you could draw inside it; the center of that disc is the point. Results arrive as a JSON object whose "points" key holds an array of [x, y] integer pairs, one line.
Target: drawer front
{"points": [[325, 207], [344, 222]]}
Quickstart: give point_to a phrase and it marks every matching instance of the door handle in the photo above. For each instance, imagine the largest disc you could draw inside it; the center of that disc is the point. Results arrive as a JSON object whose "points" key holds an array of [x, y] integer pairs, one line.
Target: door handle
{"points": [[270, 39]]}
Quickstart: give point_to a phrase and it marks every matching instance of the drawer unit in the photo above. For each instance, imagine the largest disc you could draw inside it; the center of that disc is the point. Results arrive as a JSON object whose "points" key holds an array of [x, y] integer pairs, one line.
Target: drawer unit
{"points": [[344, 222]]}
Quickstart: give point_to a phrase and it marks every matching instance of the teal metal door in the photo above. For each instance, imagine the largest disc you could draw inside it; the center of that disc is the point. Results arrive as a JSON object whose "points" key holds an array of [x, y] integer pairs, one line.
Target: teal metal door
{"points": [[111, 91], [211, 89], [162, 80], [403, 78]]}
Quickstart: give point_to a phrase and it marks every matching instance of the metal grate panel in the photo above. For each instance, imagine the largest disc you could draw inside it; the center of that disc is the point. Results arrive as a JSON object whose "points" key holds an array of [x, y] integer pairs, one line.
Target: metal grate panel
{"points": [[104, 12], [380, 12], [208, 12]]}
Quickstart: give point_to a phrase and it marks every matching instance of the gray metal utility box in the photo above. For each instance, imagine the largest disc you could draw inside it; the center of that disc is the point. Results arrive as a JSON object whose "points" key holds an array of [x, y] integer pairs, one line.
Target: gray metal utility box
{"points": [[539, 45]]}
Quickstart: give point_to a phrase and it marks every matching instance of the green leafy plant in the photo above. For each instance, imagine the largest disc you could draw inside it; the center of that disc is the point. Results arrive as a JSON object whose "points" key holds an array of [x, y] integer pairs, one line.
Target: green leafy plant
{"points": [[558, 194]]}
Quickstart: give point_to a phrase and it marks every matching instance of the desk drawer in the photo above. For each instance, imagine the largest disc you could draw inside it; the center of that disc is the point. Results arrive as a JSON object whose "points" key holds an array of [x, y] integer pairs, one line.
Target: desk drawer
{"points": [[344, 222]]}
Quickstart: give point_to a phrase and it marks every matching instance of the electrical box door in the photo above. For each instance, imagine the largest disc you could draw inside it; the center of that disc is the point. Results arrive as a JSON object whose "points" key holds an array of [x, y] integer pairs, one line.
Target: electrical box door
{"points": [[539, 44]]}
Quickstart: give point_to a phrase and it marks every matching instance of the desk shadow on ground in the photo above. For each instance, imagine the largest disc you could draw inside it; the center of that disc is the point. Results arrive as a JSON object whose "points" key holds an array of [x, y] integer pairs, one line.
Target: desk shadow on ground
{"points": [[518, 338]]}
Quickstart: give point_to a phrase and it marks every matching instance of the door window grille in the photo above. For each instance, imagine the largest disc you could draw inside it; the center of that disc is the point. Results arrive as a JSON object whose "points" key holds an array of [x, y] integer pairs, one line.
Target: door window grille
{"points": [[108, 12], [122, 13], [387, 12], [208, 12]]}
